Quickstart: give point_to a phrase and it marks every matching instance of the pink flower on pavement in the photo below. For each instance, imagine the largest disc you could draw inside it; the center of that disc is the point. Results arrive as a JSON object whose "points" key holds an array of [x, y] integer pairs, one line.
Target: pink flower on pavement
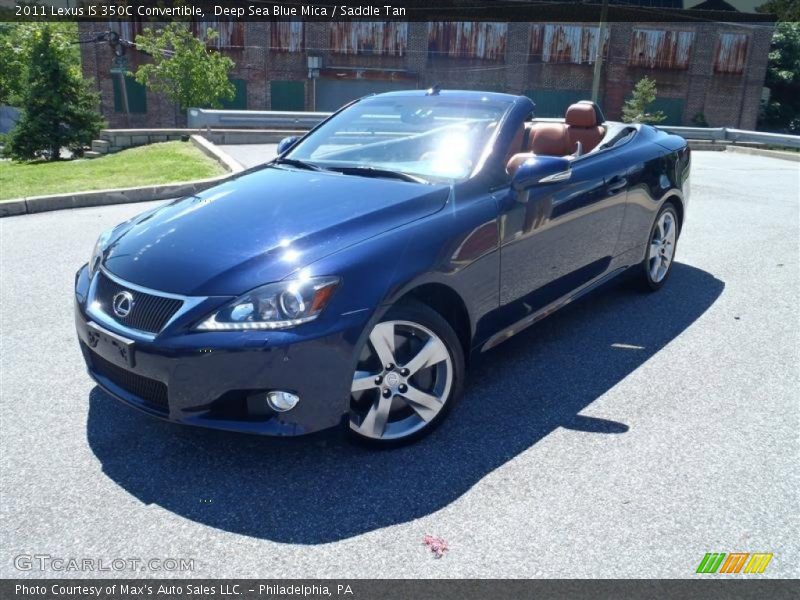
{"points": [[437, 545]]}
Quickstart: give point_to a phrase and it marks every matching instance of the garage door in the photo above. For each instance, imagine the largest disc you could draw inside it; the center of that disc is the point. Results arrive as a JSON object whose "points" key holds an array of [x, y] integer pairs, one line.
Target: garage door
{"points": [[288, 95], [333, 93], [672, 109], [239, 100]]}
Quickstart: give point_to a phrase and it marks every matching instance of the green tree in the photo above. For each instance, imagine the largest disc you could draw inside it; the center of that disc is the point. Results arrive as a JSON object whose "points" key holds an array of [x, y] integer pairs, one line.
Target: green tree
{"points": [[58, 107], [11, 59], [785, 10], [782, 112], [16, 40], [183, 68], [635, 107]]}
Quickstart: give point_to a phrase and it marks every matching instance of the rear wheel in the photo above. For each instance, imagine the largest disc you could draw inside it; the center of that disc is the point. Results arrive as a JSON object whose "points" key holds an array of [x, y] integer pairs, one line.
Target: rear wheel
{"points": [[409, 374], [661, 246]]}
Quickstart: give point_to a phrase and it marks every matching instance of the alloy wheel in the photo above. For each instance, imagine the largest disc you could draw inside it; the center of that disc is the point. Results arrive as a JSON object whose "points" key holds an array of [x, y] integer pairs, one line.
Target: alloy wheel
{"points": [[402, 381], [662, 247]]}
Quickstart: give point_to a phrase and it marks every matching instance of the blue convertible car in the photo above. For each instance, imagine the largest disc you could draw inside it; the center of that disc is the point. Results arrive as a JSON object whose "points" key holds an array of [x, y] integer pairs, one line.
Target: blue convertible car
{"points": [[351, 279]]}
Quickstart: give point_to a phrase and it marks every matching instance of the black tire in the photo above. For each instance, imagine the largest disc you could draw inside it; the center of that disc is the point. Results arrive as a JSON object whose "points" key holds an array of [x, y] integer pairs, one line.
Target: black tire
{"points": [[643, 278], [417, 313]]}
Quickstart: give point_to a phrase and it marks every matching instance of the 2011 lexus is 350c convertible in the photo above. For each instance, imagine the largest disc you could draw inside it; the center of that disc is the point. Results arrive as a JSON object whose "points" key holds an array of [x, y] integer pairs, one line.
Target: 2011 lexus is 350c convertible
{"points": [[349, 280]]}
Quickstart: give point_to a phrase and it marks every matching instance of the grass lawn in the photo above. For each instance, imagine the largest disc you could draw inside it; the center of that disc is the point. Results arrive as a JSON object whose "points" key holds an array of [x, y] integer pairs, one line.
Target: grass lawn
{"points": [[168, 162]]}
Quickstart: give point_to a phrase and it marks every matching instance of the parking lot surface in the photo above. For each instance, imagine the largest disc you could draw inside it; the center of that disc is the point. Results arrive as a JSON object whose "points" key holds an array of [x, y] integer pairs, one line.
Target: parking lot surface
{"points": [[625, 436], [250, 155]]}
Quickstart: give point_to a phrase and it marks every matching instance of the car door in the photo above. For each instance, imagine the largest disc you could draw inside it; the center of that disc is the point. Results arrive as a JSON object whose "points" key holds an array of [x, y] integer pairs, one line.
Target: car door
{"points": [[556, 237]]}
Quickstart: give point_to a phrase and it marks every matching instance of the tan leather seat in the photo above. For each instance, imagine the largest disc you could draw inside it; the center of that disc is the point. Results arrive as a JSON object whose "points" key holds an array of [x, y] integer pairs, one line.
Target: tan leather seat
{"points": [[560, 139], [549, 139], [582, 126], [543, 139]]}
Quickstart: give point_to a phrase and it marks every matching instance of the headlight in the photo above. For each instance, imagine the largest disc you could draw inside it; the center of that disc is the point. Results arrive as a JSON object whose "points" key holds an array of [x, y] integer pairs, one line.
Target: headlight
{"points": [[274, 306], [97, 252]]}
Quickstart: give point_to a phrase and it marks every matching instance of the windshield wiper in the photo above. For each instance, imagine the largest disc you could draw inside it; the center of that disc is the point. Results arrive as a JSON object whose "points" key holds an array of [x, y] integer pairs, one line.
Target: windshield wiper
{"points": [[301, 164], [375, 172]]}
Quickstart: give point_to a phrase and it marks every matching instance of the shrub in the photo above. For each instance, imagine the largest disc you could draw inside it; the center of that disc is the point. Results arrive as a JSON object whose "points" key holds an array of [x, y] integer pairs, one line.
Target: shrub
{"points": [[58, 107], [635, 108]]}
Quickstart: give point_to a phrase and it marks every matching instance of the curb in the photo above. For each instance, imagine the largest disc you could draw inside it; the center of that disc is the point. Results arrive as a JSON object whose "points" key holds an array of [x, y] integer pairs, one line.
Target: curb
{"points": [[706, 146], [791, 156], [214, 152], [36, 204]]}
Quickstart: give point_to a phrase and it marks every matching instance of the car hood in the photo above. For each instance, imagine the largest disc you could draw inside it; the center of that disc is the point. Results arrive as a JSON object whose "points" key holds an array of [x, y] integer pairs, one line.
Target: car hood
{"points": [[260, 227]]}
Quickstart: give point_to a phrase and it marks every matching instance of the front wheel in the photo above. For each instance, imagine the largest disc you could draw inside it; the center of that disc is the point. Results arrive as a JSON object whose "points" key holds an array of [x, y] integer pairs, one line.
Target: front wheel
{"points": [[661, 246], [409, 374]]}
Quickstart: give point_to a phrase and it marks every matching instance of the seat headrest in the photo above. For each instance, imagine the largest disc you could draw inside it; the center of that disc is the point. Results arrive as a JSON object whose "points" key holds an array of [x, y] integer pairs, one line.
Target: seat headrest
{"points": [[581, 114]]}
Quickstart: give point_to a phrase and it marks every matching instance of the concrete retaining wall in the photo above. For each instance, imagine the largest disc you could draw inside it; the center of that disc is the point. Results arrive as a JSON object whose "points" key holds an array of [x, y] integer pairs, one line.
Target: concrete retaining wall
{"points": [[119, 139]]}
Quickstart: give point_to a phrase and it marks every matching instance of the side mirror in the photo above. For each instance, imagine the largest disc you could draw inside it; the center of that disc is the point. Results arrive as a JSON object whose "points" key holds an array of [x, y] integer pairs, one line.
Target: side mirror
{"points": [[286, 143], [541, 169]]}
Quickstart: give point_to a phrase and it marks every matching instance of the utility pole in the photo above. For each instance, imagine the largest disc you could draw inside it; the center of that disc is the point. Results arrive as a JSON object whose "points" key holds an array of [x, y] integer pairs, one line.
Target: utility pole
{"points": [[119, 66], [598, 62]]}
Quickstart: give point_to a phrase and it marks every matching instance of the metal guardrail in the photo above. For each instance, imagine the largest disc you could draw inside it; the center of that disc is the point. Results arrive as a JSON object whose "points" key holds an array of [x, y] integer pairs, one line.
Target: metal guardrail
{"points": [[201, 118], [263, 119], [725, 134]]}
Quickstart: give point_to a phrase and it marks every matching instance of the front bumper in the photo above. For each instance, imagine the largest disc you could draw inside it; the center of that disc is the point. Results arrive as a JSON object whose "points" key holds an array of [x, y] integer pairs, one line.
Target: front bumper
{"points": [[218, 379]]}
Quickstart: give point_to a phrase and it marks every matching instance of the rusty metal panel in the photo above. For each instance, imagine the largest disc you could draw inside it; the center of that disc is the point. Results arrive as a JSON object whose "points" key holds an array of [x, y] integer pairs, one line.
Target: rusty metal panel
{"points": [[661, 49], [537, 41], [128, 30], [557, 43], [468, 40], [287, 36], [731, 54], [369, 37], [231, 32]]}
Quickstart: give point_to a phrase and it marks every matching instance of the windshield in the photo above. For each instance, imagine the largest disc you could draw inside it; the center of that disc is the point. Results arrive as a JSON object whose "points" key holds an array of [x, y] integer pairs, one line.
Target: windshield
{"points": [[432, 137]]}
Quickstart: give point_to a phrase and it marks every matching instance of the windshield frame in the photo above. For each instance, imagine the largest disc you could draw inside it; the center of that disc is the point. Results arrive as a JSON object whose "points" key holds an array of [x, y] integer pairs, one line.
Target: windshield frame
{"points": [[504, 102]]}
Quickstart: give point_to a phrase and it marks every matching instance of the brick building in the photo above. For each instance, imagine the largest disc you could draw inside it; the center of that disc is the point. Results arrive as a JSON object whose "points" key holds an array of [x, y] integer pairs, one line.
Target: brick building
{"points": [[701, 66]]}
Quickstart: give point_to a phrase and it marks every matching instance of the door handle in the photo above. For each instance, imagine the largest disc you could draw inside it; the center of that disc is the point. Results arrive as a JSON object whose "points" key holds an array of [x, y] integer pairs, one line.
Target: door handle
{"points": [[617, 184]]}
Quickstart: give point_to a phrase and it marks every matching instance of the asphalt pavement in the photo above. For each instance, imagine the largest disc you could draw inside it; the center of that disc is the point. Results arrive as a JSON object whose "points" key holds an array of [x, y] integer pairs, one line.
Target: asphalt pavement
{"points": [[250, 155], [625, 436]]}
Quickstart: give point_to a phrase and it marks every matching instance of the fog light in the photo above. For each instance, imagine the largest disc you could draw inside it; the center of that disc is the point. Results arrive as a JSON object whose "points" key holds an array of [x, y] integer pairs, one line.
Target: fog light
{"points": [[282, 401]]}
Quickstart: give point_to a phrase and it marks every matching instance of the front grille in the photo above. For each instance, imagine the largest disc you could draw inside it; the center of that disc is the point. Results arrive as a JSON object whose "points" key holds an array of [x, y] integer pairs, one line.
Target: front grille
{"points": [[152, 392], [148, 313]]}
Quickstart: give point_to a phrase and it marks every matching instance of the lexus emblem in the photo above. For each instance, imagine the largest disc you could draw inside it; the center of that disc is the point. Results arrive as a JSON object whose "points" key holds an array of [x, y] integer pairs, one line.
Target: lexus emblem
{"points": [[122, 303]]}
